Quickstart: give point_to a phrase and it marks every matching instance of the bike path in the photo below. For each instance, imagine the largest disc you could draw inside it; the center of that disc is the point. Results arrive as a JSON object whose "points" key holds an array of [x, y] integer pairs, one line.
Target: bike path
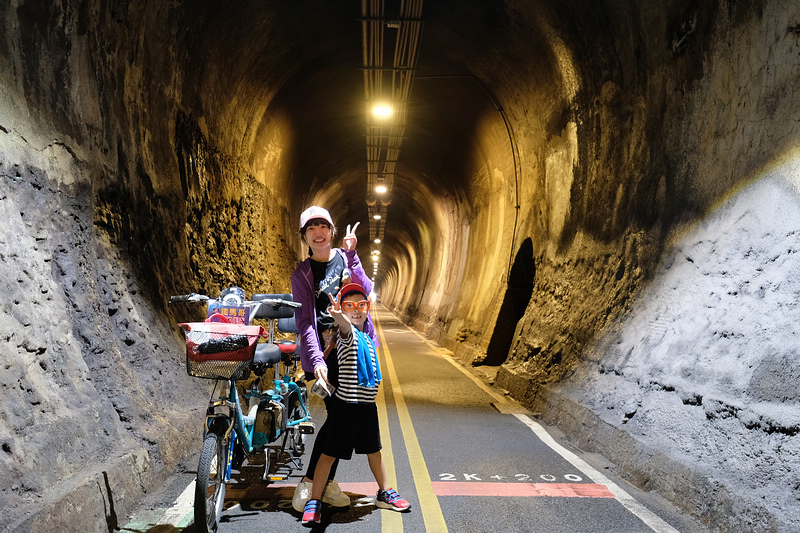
{"points": [[467, 458]]}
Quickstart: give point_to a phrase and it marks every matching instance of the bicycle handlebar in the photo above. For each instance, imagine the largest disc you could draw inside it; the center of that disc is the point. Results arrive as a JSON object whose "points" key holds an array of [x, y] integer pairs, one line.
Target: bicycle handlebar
{"points": [[277, 302], [194, 297]]}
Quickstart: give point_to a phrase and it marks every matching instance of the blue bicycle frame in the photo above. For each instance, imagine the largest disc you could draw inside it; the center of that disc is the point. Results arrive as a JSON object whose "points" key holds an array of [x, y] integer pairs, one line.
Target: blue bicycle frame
{"points": [[244, 426]]}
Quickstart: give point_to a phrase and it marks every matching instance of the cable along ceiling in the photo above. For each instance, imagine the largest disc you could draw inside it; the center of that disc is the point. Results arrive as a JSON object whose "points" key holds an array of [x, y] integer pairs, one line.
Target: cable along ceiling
{"points": [[385, 127]]}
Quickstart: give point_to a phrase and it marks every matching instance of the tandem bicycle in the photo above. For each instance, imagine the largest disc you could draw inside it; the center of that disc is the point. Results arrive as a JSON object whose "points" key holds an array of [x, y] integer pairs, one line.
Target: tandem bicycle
{"points": [[247, 412]]}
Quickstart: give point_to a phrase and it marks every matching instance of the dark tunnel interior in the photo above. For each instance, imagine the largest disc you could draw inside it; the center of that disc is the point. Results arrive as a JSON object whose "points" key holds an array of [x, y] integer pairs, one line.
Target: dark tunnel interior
{"points": [[592, 204]]}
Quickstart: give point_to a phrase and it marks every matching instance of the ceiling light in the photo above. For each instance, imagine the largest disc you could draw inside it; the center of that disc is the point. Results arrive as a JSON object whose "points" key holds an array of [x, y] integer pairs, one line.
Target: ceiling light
{"points": [[377, 241], [376, 217], [381, 189], [375, 259], [382, 110]]}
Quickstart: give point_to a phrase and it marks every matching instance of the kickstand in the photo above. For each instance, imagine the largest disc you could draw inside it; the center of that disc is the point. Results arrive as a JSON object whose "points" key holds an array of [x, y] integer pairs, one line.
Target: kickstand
{"points": [[296, 461]]}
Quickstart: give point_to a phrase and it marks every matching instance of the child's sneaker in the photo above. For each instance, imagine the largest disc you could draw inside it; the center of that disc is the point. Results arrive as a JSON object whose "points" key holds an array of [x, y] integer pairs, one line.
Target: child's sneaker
{"points": [[312, 513], [389, 499]]}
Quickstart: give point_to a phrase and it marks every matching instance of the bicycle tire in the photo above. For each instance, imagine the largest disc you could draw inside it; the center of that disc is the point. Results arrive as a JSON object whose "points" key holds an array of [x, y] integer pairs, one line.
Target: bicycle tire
{"points": [[209, 495], [297, 440]]}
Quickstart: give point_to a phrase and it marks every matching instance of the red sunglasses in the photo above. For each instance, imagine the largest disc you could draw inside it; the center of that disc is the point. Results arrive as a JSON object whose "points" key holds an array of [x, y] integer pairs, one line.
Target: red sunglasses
{"points": [[363, 305]]}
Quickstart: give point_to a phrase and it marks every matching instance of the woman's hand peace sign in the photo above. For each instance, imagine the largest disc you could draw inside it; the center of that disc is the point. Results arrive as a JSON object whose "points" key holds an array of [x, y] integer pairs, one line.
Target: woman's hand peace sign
{"points": [[350, 241]]}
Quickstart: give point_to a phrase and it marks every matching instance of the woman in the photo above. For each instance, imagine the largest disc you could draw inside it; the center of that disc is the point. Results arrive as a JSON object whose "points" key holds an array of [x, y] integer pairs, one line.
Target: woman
{"points": [[314, 281]]}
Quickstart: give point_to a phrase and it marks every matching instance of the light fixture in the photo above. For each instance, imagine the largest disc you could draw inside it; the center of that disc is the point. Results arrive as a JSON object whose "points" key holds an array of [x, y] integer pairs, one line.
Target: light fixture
{"points": [[376, 217], [375, 258], [381, 189], [377, 241], [382, 110]]}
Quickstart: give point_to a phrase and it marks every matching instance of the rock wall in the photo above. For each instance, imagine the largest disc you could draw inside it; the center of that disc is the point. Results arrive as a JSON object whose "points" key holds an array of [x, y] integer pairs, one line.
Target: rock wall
{"points": [[661, 203], [113, 195]]}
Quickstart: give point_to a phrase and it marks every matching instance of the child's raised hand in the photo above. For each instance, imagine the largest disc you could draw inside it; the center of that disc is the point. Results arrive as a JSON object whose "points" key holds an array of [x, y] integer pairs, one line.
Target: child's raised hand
{"points": [[336, 312], [335, 308]]}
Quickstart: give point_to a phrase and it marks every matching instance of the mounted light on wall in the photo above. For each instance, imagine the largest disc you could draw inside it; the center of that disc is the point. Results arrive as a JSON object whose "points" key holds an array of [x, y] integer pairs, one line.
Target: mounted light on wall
{"points": [[380, 189], [376, 217]]}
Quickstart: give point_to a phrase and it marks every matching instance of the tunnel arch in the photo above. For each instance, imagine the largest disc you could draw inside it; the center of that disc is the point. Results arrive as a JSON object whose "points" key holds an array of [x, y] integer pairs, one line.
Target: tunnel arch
{"points": [[154, 148]]}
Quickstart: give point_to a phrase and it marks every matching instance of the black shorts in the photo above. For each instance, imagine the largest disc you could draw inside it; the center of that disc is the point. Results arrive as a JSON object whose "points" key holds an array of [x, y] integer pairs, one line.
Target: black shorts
{"points": [[351, 427]]}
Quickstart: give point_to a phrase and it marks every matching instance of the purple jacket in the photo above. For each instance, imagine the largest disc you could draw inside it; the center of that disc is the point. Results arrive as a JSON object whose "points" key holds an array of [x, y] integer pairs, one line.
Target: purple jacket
{"points": [[305, 317]]}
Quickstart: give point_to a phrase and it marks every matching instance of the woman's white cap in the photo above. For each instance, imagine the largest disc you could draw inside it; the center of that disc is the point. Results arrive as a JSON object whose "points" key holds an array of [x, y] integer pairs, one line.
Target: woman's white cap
{"points": [[314, 212]]}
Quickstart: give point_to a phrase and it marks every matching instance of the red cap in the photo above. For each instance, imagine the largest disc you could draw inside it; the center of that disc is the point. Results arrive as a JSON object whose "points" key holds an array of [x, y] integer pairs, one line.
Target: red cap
{"points": [[352, 287]]}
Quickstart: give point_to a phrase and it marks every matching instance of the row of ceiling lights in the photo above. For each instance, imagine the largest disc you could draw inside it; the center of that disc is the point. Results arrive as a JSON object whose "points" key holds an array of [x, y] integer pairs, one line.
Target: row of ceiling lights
{"points": [[386, 119]]}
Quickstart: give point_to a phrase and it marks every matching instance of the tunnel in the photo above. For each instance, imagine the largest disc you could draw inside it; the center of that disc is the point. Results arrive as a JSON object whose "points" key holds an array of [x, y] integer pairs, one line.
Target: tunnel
{"points": [[596, 200]]}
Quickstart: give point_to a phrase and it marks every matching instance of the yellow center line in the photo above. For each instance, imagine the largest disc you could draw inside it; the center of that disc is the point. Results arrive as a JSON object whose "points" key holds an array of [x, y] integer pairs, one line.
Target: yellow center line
{"points": [[428, 502], [391, 522]]}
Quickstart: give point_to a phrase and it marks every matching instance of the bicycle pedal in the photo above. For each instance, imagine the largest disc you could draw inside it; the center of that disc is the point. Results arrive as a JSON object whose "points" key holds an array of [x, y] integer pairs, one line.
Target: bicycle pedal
{"points": [[306, 428]]}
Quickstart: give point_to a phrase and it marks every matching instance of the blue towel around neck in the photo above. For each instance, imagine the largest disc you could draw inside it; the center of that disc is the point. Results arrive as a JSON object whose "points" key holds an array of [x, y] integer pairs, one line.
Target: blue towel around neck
{"points": [[367, 377]]}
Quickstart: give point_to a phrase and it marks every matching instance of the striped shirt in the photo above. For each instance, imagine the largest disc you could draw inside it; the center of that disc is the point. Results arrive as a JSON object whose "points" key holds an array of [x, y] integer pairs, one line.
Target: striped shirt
{"points": [[349, 390]]}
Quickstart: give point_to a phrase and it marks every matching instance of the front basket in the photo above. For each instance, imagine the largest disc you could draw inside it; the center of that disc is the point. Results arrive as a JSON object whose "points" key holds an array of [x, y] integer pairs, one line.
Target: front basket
{"points": [[217, 350]]}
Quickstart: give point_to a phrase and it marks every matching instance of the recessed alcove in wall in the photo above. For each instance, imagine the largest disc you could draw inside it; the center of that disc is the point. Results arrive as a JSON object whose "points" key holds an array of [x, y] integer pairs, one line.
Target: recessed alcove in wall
{"points": [[518, 294]]}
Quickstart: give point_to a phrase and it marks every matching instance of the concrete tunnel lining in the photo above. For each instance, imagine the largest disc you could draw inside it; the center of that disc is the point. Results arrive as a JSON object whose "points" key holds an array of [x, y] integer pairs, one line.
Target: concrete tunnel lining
{"points": [[647, 151]]}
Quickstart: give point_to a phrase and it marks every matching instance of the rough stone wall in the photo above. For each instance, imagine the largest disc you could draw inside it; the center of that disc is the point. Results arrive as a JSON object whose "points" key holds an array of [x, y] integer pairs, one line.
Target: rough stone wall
{"points": [[663, 186], [113, 195], [663, 319]]}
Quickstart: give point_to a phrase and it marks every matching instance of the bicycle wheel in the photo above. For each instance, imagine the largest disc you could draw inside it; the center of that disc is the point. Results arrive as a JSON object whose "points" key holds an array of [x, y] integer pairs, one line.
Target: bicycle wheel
{"points": [[297, 440], [209, 494]]}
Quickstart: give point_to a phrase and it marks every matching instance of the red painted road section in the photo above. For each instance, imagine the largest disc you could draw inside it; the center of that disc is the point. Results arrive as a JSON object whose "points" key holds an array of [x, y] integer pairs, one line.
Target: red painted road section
{"points": [[558, 490], [445, 488]]}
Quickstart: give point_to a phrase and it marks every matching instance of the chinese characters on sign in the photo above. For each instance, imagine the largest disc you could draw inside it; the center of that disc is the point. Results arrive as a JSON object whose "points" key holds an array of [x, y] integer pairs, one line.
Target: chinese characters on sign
{"points": [[233, 313]]}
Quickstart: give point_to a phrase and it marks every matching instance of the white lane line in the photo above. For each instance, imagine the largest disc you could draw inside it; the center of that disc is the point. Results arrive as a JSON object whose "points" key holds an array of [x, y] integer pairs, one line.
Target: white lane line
{"points": [[504, 406], [640, 511]]}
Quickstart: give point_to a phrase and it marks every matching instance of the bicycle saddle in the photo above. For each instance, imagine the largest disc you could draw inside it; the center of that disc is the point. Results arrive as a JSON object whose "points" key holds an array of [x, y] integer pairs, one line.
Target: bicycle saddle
{"points": [[287, 325], [267, 353]]}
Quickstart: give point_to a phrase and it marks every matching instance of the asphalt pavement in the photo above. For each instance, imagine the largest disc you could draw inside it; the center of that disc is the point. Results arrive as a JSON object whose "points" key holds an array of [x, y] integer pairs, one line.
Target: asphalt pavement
{"points": [[467, 458]]}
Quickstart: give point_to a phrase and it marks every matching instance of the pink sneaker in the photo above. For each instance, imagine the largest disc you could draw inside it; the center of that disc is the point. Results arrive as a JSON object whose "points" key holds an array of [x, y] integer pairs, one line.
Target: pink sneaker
{"points": [[389, 499], [312, 513]]}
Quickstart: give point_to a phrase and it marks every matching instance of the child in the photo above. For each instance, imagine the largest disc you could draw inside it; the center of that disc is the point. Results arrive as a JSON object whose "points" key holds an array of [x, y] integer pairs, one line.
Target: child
{"points": [[352, 414]]}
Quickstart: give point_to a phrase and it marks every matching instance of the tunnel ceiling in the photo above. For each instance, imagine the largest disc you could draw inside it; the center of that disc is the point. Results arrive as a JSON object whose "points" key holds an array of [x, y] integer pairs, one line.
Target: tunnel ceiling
{"points": [[306, 58]]}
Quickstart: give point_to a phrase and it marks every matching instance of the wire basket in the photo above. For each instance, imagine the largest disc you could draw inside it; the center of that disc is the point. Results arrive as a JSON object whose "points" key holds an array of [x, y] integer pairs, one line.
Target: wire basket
{"points": [[220, 351]]}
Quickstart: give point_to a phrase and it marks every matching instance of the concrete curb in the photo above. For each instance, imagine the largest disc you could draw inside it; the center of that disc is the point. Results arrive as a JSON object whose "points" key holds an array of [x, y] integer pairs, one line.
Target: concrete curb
{"points": [[713, 502]]}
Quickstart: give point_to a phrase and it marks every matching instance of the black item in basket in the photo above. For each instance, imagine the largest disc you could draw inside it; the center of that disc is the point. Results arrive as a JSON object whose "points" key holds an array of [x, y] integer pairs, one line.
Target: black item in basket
{"points": [[230, 343]]}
